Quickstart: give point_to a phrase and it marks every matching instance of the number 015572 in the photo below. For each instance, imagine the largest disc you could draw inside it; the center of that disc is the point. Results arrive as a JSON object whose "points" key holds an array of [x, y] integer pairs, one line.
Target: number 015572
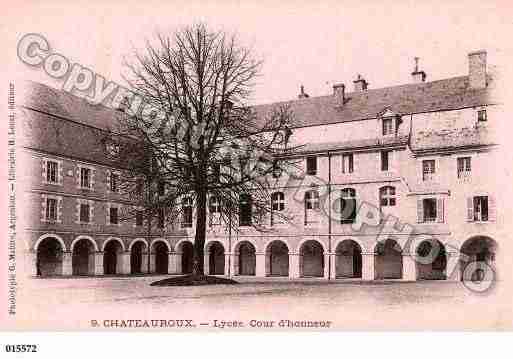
{"points": [[21, 348]]}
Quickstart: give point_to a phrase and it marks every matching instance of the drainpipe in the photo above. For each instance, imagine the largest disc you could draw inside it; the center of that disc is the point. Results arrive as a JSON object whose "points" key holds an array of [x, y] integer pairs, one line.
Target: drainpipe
{"points": [[329, 217], [230, 247]]}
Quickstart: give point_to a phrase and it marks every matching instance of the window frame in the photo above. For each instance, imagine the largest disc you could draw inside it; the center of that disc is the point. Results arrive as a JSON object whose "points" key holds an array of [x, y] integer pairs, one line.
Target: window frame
{"points": [[464, 167], [348, 194], [48, 210], [350, 162], [387, 130], [81, 212], [48, 172], [116, 216], [312, 201], [478, 203], [114, 182], [82, 179], [187, 212], [433, 201], [428, 172], [278, 201], [139, 218], [385, 159], [387, 196], [482, 116], [311, 160], [245, 210]]}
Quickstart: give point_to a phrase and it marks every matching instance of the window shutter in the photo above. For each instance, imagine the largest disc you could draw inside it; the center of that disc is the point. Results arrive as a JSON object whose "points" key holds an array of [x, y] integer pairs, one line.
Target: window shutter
{"points": [[391, 161], [108, 174], [470, 209], [440, 210], [43, 173], [492, 209], [420, 211]]}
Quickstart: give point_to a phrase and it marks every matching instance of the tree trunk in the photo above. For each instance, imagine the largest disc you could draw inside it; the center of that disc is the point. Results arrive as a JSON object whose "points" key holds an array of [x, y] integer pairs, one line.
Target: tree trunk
{"points": [[201, 227]]}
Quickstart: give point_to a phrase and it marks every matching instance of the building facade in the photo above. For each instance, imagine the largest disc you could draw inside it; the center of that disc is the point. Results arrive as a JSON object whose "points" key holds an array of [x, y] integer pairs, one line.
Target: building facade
{"points": [[392, 183]]}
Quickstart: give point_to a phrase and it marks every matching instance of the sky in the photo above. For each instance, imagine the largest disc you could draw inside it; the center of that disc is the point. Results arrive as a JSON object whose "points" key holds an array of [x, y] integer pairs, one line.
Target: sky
{"points": [[315, 44]]}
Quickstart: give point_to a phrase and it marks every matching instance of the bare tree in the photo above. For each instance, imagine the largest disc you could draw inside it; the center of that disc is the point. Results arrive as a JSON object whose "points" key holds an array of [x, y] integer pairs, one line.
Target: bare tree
{"points": [[204, 143]]}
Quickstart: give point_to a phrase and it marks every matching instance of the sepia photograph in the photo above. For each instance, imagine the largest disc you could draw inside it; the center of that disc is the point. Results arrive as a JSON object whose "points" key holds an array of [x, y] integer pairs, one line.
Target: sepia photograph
{"points": [[244, 166]]}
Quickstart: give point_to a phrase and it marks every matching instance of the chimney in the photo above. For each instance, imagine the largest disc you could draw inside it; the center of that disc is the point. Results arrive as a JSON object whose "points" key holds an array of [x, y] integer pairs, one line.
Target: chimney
{"points": [[339, 92], [360, 84], [477, 69], [303, 94], [418, 76]]}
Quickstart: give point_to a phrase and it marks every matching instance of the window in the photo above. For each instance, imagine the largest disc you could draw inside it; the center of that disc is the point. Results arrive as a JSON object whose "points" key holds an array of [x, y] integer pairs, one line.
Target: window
{"points": [[52, 171], [114, 180], [277, 205], [385, 160], [387, 196], [216, 171], [481, 116], [245, 210], [139, 218], [388, 126], [113, 215], [311, 206], [85, 177], [464, 167], [429, 205], [312, 199], [480, 204], [347, 205], [311, 165], [161, 218], [161, 188], [51, 209], [428, 170], [430, 210], [278, 201], [84, 213], [187, 212], [214, 208], [347, 163], [139, 185], [276, 170]]}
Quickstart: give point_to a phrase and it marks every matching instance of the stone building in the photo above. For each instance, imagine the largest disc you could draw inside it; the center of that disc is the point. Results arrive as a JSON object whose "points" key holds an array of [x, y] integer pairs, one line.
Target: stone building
{"points": [[394, 183]]}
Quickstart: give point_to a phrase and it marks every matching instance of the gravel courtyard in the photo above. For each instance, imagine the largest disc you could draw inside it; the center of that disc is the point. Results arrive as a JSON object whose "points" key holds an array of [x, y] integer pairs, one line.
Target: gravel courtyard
{"points": [[73, 303]]}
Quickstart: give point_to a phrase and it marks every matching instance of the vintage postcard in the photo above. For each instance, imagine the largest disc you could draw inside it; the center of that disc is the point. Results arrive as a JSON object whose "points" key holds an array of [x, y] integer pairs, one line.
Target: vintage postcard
{"points": [[252, 166]]}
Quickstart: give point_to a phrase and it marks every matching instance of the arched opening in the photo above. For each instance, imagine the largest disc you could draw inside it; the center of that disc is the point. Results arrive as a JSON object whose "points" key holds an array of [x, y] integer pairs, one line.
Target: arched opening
{"points": [[311, 259], [161, 253], [245, 259], [479, 249], [277, 259], [136, 257], [348, 261], [216, 259], [112, 257], [431, 260], [187, 250], [49, 257], [83, 257], [388, 260]]}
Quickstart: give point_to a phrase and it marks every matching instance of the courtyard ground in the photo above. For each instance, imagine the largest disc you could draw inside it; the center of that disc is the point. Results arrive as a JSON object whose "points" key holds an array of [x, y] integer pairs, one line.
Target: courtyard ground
{"points": [[76, 303]]}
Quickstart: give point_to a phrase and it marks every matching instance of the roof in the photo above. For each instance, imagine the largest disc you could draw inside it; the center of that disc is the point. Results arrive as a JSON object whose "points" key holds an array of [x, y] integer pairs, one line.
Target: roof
{"points": [[59, 123], [62, 104], [353, 145], [447, 94], [50, 105], [428, 141]]}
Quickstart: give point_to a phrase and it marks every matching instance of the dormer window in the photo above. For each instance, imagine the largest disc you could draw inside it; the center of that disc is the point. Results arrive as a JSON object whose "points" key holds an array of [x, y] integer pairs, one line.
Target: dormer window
{"points": [[481, 116], [388, 126]]}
